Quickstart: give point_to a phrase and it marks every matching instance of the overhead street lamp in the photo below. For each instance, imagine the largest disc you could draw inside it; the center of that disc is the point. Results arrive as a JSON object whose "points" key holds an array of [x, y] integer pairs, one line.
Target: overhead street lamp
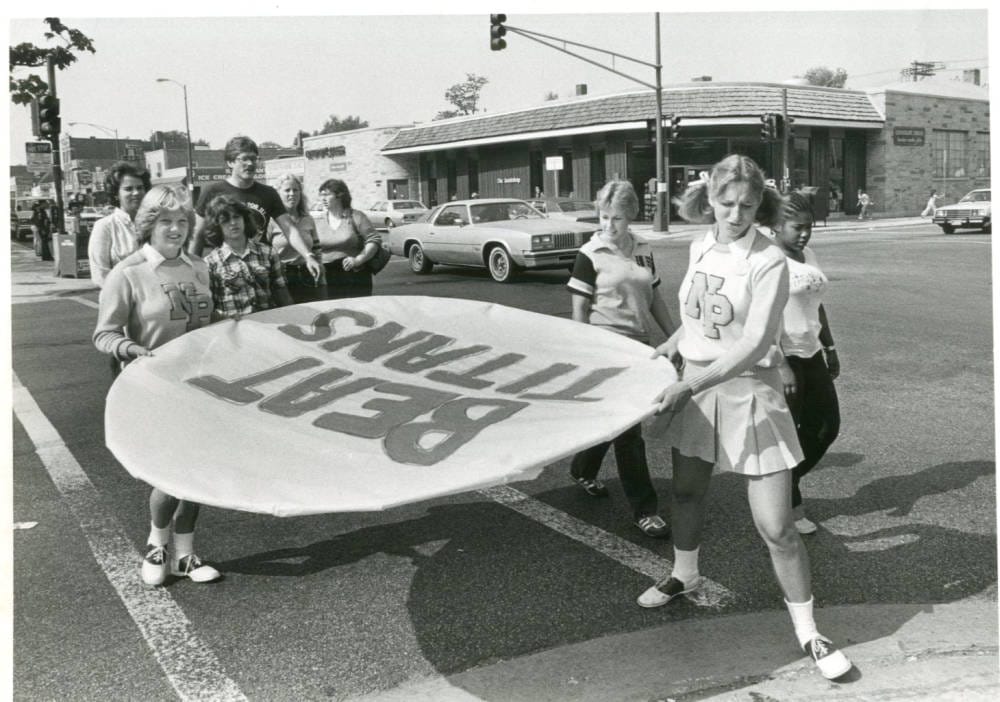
{"points": [[187, 127], [107, 130]]}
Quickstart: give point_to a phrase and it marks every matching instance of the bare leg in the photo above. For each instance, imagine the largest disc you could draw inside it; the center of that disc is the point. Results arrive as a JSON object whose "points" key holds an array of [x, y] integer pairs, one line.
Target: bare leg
{"points": [[690, 486], [771, 505]]}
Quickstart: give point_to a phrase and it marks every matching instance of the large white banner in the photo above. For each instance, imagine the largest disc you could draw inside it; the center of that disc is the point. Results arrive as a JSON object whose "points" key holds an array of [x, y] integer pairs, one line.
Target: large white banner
{"points": [[367, 403]]}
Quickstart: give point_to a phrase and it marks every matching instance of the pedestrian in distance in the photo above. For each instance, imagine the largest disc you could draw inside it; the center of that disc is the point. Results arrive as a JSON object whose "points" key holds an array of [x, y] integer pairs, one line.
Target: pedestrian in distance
{"points": [[245, 275], [302, 285], [864, 205], [931, 205], [347, 243], [41, 225], [241, 156], [150, 298], [728, 410], [807, 344], [114, 237], [614, 286]]}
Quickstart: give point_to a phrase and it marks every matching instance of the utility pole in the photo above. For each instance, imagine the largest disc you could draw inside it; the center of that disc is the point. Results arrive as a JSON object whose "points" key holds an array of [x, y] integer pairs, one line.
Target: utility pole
{"points": [[57, 175], [786, 182], [661, 218]]}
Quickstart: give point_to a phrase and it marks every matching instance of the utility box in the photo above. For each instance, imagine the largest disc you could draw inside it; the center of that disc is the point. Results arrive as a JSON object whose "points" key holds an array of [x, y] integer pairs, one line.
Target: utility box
{"points": [[67, 248]]}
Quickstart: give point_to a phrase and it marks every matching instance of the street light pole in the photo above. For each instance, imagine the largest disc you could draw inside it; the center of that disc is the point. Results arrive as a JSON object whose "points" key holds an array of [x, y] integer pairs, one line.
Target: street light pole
{"points": [[109, 130], [661, 218], [187, 128]]}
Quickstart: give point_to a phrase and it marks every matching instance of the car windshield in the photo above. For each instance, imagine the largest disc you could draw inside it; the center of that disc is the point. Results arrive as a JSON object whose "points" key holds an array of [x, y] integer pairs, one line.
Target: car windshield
{"points": [[407, 205], [977, 196], [502, 211]]}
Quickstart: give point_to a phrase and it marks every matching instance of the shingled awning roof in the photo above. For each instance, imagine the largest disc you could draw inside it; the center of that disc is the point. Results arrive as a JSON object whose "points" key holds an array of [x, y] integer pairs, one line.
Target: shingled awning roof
{"points": [[718, 102]]}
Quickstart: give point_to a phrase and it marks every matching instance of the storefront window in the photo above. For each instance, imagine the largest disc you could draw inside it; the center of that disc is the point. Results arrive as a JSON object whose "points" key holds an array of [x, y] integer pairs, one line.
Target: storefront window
{"points": [[800, 162], [836, 169], [949, 154], [981, 155]]}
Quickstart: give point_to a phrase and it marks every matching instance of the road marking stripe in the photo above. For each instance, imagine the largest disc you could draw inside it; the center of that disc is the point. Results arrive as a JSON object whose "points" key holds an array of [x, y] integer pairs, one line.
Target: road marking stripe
{"points": [[641, 560], [191, 667], [53, 298]]}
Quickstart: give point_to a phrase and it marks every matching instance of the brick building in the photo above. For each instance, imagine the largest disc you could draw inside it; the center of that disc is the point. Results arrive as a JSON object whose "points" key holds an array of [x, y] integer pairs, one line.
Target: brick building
{"points": [[356, 158]]}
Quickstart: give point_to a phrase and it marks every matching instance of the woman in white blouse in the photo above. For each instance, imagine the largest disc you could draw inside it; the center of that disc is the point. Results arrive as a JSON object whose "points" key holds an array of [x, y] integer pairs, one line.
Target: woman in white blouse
{"points": [[114, 237]]}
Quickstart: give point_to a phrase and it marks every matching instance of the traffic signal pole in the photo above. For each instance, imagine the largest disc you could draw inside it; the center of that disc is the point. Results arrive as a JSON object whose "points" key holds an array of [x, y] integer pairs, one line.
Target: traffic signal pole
{"points": [[57, 176], [498, 30]]}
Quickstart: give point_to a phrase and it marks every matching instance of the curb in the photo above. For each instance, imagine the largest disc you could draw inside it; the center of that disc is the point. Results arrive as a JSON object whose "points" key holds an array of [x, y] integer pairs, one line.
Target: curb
{"points": [[900, 652]]}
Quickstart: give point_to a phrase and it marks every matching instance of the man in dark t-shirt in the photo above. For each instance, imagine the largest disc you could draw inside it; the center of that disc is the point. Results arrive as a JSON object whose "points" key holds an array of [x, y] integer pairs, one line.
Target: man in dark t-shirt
{"points": [[263, 201]]}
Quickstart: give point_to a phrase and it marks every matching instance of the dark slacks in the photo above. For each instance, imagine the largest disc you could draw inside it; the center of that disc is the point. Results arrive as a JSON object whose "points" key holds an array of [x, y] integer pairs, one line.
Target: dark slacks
{"points": [[301, 284], [341, 283], [816, 412], [630, 454]]}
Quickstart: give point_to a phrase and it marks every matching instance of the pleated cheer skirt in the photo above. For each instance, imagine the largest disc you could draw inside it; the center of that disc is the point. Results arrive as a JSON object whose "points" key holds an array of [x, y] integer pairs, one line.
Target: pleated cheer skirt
{"points": [[742, 425]]}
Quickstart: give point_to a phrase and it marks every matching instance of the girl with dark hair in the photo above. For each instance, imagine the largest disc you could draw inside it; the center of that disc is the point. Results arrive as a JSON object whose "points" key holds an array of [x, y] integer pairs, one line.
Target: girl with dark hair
{"points": [[728, 410], [114, 236], [347, 243], [807, 343], [245, 274]]}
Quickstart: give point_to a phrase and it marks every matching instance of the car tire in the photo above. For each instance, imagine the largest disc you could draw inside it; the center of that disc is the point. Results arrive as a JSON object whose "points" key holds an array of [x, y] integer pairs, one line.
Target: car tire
{"points": [[947, 229], [500, 265], [419, 263], [389, 224], [988, 228]]}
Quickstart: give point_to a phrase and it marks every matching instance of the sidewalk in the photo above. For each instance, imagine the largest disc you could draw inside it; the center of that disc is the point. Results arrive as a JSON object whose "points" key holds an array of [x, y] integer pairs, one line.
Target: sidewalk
{"points": [[900, 652], [681, 229]]}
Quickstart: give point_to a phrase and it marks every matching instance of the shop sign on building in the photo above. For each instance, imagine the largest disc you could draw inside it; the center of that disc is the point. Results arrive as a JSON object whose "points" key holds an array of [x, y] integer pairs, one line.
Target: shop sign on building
{"points": [[553, 163], [908, 136], [506, 181]]}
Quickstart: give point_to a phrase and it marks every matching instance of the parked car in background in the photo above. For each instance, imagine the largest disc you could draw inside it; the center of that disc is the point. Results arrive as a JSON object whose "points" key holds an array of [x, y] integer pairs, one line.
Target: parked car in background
{"points": [[972, 211], [393, 213], [566, 208], [500, 234]]}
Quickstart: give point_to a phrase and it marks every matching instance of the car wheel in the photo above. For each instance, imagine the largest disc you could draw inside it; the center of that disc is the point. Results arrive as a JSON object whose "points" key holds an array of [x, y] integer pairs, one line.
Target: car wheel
{"points": [[988, 228], [947, 229], [419, 263], [389, 224], [502, 269]]}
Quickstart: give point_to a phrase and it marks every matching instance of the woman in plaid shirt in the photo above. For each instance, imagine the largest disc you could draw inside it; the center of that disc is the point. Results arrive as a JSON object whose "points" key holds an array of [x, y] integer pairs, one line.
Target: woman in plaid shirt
{"points": [[245, 275]]}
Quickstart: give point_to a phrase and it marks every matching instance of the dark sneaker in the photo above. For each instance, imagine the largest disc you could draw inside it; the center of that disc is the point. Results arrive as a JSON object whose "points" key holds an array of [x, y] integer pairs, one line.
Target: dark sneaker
{"points": [[191, 567], [653, 525], [594, 488], [832, 662], [154, 565], [666, 590]]}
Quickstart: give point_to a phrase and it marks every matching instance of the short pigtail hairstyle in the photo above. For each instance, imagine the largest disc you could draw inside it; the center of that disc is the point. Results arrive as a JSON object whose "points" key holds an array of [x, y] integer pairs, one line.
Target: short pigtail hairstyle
{"points": [[692, 204]]}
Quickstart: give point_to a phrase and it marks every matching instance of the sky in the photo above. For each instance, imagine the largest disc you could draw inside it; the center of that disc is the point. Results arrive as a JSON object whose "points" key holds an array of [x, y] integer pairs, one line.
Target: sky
{"points": [[289, 66]]}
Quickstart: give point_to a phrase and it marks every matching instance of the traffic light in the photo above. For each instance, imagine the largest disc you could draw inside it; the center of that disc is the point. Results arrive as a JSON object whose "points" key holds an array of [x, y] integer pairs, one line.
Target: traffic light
{"points": [[497, 32], [790, 127], [651, 128], [48, 117], [767, 127], [675, 127]]}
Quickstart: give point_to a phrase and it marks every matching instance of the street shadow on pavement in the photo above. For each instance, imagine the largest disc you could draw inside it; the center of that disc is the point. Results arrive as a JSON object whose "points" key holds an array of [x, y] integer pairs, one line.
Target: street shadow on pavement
{"points": [[488, 585]]}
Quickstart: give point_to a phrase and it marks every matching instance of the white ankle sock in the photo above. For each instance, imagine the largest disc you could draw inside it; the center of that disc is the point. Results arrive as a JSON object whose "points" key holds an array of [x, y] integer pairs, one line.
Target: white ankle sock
{"points": [[685, 565], [802, 620], [183, 545], [157, 536]]}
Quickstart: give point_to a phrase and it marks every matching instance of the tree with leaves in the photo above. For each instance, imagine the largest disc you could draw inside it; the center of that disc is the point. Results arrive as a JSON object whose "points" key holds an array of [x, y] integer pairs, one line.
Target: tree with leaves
{"points": [[28, 55], [464, 96], [335, 124], [823, 76]]}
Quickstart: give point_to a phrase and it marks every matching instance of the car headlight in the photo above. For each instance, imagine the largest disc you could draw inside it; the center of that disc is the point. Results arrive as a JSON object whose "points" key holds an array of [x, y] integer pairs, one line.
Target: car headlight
{"points": [[541, 242]]}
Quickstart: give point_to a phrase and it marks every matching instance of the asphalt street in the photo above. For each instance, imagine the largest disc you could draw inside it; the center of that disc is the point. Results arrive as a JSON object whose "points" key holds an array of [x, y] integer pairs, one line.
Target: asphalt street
{"points": [[528, 592]]}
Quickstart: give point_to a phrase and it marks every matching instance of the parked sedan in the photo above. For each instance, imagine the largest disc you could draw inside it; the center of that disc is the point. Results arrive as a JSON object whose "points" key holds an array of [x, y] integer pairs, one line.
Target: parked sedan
{"points": [[501, 235], [393, 213], [973, 210], [567, 208]]}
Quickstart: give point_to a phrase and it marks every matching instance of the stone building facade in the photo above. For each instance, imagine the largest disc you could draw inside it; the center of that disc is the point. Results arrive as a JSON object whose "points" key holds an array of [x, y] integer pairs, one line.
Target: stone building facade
{"points": [[936, 136], [355, 157]]}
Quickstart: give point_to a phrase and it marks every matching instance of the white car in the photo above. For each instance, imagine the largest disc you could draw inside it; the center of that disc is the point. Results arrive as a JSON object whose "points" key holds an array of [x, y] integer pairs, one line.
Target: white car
{"points": [[393, 213], [500, 234], [973, 210]]}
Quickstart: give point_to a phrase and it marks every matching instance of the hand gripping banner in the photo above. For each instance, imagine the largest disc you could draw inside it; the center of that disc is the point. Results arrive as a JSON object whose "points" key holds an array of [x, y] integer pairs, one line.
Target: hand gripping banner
{"points": [[369, 403]]}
